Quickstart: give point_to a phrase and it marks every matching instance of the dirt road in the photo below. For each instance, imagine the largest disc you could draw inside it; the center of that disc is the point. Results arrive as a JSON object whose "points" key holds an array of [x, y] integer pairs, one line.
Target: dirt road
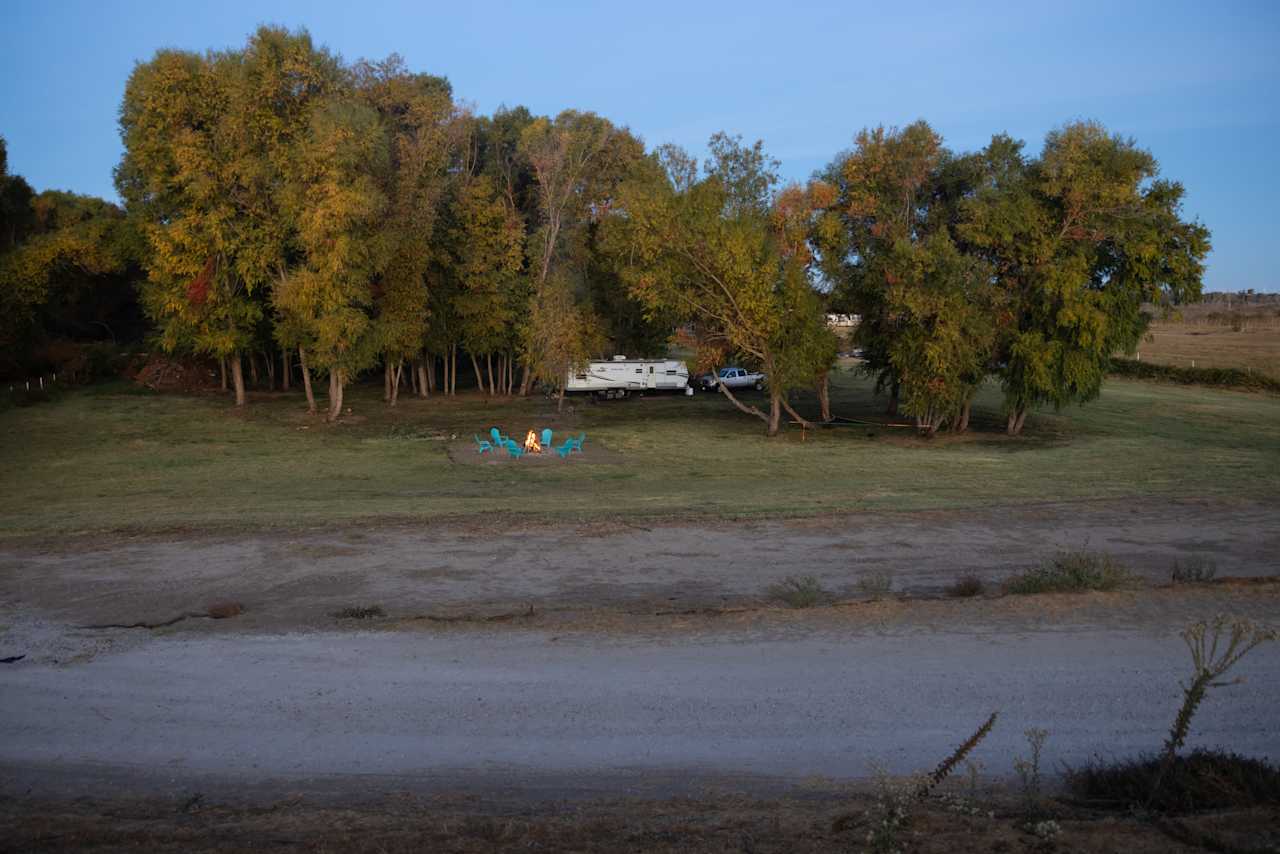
{"points": [[296, 580], [617, 682]]}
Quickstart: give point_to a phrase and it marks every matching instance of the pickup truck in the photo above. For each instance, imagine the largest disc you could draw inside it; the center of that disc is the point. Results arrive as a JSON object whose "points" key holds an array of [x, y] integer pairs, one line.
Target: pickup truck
{"points": [[732, 378]]}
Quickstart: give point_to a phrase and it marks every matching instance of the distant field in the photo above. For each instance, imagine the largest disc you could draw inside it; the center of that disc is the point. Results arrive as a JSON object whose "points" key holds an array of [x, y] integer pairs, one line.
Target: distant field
{"points": [[1209, 337], [117, 458]]}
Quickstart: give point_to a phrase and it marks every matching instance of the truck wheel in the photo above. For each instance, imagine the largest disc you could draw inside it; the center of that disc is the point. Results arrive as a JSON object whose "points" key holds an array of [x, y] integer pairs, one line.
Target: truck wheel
{"points": [[759, 386]]}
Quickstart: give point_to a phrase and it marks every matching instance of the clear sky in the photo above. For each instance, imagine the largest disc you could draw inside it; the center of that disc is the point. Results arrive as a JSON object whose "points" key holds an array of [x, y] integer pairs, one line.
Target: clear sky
{"points": [[1196, 83]]}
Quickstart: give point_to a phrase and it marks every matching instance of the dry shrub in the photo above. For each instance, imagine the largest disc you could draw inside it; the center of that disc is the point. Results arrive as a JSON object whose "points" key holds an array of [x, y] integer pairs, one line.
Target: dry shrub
{"points": [[966, 587], [800, 591], [1201, 780], [1072, 572], [223, 610], [358, 612]]}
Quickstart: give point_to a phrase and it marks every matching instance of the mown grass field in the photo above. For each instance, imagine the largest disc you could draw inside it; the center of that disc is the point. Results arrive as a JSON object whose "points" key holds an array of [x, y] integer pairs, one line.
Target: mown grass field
{"points": [[114, 457]]}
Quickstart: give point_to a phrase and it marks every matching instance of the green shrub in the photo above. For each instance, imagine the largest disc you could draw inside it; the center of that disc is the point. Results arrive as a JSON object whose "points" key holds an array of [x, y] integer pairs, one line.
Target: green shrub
{"points": [[1219, 377], [1194, 570], [1200, 780], [800, 591], [1071, 572], [878, 583]]}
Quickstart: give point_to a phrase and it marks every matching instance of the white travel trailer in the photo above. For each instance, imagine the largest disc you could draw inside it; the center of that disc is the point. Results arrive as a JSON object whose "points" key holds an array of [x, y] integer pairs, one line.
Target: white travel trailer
{"points": [[621, 376]]}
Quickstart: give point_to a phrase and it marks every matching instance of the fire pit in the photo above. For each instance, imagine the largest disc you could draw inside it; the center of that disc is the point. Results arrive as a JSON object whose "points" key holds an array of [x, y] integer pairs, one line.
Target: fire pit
{"points": [[531, 443]]}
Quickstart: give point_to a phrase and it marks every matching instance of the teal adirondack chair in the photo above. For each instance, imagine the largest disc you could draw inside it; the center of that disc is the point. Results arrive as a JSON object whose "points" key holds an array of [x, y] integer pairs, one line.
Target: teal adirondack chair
{"points": [[498, 438], [565, 449], [483, 444], [577, 443], [514, 449], [546, 437]]}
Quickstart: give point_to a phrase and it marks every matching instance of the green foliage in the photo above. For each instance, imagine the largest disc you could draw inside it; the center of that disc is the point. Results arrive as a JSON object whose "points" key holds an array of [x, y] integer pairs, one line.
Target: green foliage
{"points": [[1072, 572], [1215, 377], [800, 591], [1079, 239], [716, 254]]}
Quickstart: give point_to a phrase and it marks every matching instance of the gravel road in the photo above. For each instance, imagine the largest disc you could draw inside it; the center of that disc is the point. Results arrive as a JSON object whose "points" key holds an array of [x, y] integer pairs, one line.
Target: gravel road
{"points": [[486, 707]]}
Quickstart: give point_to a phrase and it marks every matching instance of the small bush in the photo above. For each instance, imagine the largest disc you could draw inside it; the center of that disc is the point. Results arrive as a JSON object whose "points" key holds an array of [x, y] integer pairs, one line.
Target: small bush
{"points": [[1201, 780], [800, 591], [1195, 570], [875, 583], [1072, 572], [966, 587], [356, 612]]}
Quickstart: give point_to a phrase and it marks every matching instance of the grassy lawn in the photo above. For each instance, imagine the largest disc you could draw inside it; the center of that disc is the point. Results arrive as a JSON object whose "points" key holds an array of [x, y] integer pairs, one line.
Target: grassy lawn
{"points": [[116, 458]]}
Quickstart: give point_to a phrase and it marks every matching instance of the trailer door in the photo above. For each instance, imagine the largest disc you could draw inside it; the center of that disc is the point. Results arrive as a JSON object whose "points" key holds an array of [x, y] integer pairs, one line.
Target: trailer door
{"points": [[651, 378]]}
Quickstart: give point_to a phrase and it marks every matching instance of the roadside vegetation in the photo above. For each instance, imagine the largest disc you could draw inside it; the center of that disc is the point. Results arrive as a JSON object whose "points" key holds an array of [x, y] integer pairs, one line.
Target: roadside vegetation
{"points": [[1072, 572]]}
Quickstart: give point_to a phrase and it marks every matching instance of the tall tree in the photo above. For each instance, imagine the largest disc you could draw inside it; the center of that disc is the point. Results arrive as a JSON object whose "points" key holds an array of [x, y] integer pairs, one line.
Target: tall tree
{"points": [[714, 256], [208, 145], [342, 207], [1078, 239]]}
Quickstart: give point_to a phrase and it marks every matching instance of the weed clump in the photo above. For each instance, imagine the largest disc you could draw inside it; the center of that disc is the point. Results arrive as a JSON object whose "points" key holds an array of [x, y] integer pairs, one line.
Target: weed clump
{"points": [[800, 591], [1195, 570], [1072, 572], [966, 587], [1201, 780], [876, 583], [356, 612]]}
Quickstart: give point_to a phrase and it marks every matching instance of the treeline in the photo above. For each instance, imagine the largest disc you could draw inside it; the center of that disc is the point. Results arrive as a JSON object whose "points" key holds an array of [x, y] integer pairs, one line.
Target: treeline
{"points": [[356, 217], [68, 268]]}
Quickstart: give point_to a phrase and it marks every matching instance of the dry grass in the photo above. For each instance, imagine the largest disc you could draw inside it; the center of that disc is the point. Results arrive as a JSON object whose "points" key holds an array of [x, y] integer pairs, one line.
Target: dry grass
{"points": [[1249, 342]]}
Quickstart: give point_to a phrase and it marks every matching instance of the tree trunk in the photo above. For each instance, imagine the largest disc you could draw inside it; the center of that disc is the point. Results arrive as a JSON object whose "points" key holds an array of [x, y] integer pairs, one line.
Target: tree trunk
{"points": [[386, 380], [396, 373], [475, 365], [560, 399], [453, 370], [775, 412], [286, 365], [335, 394], [222, 371], [237, 379], [306, 380], [824, 398], [750, 410], [424, 385], [253, 369], [271, 370], [808, 425], [431, 374], [493, 389], [524, 382], [962, 420], [894, 390], [1016, 419]]}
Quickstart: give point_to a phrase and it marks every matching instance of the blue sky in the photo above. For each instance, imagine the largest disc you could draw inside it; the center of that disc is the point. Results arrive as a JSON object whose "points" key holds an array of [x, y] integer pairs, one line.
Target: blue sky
{"points": [[1196, 83]]}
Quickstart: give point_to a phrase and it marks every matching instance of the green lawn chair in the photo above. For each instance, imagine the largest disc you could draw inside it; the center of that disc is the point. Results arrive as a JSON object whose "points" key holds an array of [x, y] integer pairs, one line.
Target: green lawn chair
{"points": [[483, 445]]}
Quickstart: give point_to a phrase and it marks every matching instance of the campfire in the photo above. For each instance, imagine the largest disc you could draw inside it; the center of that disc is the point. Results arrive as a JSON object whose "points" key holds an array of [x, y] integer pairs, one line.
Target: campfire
{"points": [[531, 443]]}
